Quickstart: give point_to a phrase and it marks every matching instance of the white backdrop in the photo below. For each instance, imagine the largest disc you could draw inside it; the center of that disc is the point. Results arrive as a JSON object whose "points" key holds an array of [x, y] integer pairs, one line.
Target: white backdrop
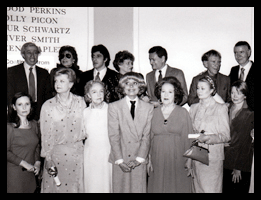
{"points": [[188, 32]]}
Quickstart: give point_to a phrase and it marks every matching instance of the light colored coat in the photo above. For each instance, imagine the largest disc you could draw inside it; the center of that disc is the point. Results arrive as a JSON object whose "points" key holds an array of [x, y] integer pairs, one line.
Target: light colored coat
{"points": [[129, 139]]}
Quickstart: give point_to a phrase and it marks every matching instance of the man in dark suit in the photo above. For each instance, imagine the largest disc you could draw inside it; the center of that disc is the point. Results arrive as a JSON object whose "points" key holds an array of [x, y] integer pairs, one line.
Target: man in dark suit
{"points": [[100, 71], [245, 69], [158, 57], [29, 78], [212, 61]]}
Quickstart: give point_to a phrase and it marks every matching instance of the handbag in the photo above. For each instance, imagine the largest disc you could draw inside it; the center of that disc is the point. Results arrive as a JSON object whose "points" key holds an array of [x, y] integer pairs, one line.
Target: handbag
{"points": [[198, 153]]}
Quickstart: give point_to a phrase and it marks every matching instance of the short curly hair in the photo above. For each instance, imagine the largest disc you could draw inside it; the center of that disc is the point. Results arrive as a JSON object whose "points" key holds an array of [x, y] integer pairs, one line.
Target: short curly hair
{"points": [[135, 76], [178, 91], [120, 57], [89, 85]]}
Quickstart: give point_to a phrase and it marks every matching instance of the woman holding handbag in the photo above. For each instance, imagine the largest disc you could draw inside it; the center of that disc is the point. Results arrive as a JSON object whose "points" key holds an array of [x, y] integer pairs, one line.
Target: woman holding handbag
{"points": [[212, 118]]}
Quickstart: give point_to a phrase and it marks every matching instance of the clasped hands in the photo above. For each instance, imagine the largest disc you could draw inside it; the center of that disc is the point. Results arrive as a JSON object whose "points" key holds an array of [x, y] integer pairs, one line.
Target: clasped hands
{"points": [[127, 167]]}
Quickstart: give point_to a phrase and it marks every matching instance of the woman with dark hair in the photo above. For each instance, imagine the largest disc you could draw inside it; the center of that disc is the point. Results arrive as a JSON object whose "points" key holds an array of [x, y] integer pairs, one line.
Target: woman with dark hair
{"points": [[210, 118], [170, 127], [239, 152], [68, 58], [62, 138], [23, 148], [129, 122], [123, 62]]}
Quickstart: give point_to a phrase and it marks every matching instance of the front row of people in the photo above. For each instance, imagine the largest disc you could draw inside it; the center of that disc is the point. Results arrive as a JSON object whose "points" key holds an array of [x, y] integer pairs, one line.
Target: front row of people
{"points": [[111, 147]]}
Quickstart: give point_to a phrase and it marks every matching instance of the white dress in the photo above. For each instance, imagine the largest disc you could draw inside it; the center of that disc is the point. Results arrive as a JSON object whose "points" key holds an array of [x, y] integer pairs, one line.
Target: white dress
{"points": [[97, 169]]}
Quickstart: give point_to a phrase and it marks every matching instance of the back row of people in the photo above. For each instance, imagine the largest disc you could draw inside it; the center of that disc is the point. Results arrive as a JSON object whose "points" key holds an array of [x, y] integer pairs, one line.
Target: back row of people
{"points": [[20, 77]]}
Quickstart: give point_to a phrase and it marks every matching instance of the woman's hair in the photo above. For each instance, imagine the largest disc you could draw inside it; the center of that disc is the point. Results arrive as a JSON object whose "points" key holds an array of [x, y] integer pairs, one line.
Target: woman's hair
{"points": [[104, 51], [241, 86], [211, 52], [120, 57], [89, 85], [178, 91], [71, 50], [135, 76], [210, 82], [71, 74], [14, 118]]}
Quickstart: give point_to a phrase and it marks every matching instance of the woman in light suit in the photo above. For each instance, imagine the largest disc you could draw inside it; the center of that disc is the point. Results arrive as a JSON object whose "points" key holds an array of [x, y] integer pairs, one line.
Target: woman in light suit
{"points": [[129, 134]]}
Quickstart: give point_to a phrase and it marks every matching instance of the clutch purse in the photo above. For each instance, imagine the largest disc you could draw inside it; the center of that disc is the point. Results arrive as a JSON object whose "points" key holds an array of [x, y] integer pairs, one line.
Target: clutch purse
{"points": [[198, 153]]}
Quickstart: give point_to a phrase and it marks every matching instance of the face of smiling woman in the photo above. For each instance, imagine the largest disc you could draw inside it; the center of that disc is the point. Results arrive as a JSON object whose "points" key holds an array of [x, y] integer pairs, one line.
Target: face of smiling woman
{"points": [[22, 106], [131, 88], [167, 94]]}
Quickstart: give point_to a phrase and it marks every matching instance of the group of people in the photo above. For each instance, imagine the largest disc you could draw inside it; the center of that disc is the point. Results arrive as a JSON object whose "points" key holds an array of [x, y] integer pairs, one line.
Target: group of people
{"points": [[103, 131]]}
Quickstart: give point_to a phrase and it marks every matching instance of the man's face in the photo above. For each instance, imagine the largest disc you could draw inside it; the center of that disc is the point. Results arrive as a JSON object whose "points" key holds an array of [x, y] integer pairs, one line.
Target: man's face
{"points": [[155, 61], [31, 55], [98, 60], [213, 65], [242, 54]]}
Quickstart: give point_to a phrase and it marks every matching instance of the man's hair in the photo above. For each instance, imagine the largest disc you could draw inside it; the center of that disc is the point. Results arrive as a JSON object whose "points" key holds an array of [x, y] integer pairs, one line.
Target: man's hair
{"points": [[160, 51]]}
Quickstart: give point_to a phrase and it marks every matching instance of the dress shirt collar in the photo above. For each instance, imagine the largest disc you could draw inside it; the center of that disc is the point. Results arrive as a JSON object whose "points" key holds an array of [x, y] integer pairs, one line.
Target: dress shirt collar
{"points": [[163, 72], [27, 67], [129, 103], [102, 73]]}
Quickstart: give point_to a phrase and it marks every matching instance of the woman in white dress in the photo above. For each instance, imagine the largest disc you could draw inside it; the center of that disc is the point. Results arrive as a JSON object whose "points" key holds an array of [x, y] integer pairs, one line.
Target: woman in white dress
{"points": [[97, 169]]}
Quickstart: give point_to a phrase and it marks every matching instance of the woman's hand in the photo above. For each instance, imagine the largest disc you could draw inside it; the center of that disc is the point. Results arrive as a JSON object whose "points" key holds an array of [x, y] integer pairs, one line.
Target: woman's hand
{"points": [[236, 176], [124, 167], [188, 167], [203, 138], [149, 166], [37, 168]]}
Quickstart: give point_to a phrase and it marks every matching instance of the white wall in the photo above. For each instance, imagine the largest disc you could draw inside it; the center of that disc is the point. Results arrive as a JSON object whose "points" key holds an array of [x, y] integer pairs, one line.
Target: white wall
{"points": [[188, 32]]}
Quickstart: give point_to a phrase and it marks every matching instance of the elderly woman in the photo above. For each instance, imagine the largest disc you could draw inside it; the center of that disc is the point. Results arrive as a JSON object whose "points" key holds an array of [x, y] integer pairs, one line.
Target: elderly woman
{"points": [[210, 117], [68, 58], [239, 152], [97, 169], [129, 123], [62, 146], [171, 125]]}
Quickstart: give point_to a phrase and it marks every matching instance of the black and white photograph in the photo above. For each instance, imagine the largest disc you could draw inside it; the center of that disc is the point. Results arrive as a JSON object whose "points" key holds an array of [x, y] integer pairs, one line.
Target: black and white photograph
{"points": [[130, 100]]}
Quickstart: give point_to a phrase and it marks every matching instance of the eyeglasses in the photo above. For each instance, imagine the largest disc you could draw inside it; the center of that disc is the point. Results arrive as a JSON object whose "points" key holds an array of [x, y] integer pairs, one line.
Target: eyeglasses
{"points": [[67, 55]]}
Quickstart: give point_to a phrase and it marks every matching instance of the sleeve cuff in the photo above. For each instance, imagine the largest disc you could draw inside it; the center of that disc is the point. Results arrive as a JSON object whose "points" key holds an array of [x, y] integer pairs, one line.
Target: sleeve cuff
{"points": [[139, 159], [117, 162]]}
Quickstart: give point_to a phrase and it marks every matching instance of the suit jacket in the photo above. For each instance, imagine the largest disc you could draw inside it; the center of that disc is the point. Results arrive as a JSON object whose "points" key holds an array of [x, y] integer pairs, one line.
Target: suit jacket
{"points": [[111, 80], [129, 138], [249, 81], [223, 88], [17, 82], [171, 71]]}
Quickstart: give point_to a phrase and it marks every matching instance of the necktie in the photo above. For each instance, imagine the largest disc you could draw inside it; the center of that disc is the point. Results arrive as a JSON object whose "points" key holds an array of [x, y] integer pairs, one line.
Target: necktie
{"points": [[31, 84], [97, 77], [242, 74], [160, 76], [132, 108]]}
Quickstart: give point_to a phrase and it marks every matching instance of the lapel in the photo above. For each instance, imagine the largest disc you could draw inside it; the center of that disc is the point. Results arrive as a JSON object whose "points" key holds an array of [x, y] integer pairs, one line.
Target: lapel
{"points": [[22, 77], [250, 73], [132, 124]]}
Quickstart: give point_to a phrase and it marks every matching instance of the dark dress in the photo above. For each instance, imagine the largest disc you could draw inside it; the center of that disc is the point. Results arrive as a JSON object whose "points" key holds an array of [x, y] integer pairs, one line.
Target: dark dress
{"points": [[169, 142], [22, 144]]}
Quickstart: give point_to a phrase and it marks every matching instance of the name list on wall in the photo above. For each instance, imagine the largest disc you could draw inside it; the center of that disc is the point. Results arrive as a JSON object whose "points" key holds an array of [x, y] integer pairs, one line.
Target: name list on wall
{"points": [[49, 28]]}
